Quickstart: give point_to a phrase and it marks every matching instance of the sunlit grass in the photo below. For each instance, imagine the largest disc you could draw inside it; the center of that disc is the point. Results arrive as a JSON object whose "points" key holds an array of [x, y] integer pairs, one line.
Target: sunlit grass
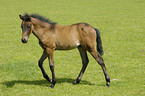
{"points": [[123, 35]]}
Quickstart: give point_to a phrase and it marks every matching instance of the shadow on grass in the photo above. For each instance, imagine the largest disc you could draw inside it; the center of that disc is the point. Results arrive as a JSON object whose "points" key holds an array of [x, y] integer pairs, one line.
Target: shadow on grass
{"points": [[43, 82]]}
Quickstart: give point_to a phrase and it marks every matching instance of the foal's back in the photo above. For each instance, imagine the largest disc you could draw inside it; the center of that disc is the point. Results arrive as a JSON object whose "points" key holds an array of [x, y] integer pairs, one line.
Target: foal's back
{"points": [[72, 36]]}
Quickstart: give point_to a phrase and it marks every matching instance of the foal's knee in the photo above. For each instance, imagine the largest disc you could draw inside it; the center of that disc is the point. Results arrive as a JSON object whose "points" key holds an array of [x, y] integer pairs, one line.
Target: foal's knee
{"points": [[51, 65], [100, 61], [100, 57]]}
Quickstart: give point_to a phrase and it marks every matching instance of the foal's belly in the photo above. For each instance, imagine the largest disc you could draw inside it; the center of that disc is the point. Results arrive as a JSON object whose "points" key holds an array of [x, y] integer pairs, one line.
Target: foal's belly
{"points": [[67, 45]]}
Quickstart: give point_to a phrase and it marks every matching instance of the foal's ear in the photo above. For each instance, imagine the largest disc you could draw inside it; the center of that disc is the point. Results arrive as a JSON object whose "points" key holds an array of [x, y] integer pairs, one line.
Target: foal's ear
{"points": [[21, 17]]}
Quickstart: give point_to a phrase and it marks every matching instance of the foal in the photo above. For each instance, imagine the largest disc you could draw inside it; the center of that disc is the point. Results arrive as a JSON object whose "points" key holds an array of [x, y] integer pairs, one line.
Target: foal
{"points": [[53, 37]]}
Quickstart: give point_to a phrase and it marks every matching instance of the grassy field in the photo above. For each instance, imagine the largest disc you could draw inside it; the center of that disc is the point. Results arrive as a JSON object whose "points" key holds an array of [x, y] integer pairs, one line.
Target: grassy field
{"points": [[122, 26]]}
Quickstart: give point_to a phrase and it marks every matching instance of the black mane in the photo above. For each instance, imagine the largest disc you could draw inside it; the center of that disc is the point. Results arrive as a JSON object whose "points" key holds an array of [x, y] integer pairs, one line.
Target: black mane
{"points": [[39, 17]]}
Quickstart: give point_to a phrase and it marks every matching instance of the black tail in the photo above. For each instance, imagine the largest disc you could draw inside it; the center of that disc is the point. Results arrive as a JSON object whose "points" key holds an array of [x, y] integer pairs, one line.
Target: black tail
{"points": [[99, 42]]}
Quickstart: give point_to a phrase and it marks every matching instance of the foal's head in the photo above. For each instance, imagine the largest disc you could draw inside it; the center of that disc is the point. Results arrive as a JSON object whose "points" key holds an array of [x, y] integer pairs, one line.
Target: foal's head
{"points": [[26, 27]]}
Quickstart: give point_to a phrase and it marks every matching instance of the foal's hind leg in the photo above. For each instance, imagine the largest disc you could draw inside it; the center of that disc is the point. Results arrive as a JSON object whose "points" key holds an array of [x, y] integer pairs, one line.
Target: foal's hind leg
{"points": [[85, 62], [99, 59], [40, 64]]}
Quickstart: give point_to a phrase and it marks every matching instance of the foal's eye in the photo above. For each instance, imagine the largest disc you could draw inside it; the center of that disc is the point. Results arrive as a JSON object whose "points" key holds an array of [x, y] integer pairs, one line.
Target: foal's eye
{"points": [[29, 26]]}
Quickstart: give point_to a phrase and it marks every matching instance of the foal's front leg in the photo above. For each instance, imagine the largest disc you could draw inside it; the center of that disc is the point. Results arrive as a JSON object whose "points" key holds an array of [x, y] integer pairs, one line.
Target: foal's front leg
{"points": [[51, 64], [40, 64]]}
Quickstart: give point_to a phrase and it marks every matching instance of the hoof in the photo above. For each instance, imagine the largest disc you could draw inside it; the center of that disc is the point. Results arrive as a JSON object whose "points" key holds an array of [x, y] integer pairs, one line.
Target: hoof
{"points": [[108, 84], [52, 86], [76, 82]]}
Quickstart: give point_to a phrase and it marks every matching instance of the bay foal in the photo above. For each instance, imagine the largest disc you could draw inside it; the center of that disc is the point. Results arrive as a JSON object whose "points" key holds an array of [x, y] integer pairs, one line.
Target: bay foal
{"points": [[53, 37]]}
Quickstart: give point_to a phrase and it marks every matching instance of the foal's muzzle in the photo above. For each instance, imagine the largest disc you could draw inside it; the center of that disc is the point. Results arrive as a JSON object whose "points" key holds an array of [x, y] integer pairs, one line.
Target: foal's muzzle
{"points": [[24, 40]]}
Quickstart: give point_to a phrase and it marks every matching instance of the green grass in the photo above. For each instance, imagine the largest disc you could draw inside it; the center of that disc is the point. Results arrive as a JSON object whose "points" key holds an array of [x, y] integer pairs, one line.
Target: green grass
{"points": [[122, 26]]}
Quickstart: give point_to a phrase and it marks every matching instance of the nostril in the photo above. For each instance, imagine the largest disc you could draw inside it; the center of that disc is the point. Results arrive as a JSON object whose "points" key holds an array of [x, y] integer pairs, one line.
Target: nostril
{"points": [[23, 40]]}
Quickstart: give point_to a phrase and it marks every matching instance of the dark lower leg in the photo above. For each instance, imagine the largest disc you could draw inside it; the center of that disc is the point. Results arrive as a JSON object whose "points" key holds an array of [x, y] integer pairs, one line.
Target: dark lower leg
{"points": [[51, 64], [102, 64], [85, 61], [53, 76], [40, 64], [44, 73], [80, 75], [104, 70], [106, 75], [100, 61]]}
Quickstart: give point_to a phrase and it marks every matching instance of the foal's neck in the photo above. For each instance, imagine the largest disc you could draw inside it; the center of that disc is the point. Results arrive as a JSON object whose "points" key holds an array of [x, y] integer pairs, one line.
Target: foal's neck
{"points": [[39, 27]]}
